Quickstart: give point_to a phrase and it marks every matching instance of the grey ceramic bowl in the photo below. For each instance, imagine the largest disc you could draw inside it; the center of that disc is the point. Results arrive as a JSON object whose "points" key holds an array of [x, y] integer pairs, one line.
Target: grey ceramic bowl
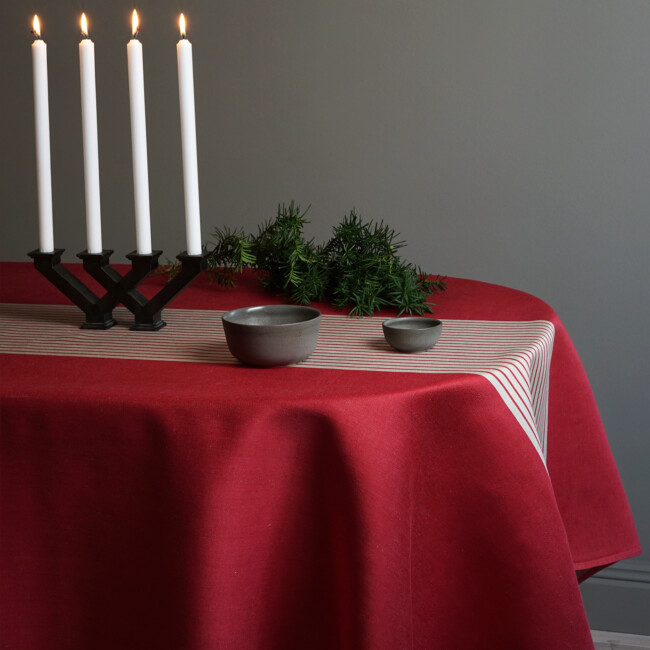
{"points": [[272, 335], [412, 333]]}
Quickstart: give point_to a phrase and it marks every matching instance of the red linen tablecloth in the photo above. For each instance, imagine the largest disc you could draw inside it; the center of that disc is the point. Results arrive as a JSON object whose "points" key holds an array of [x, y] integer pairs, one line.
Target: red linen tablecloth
{"points": [[173, 504]]}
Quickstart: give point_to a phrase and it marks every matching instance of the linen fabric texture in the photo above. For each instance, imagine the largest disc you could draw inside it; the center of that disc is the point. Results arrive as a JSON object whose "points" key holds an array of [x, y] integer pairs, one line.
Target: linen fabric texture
{"points": [[151, 504]]}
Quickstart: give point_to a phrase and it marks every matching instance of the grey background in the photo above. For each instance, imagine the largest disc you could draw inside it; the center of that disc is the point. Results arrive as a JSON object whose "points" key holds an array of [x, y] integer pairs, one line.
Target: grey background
{"points": [[507, 140]]}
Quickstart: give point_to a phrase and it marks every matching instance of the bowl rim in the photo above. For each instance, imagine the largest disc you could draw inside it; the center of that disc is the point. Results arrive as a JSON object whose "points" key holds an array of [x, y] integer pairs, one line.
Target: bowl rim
{"points": [[428, 323], [314, 314]]}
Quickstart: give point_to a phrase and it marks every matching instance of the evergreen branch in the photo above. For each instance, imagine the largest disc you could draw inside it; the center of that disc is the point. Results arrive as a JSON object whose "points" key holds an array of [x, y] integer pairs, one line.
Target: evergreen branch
{"points": [[358, 269]]}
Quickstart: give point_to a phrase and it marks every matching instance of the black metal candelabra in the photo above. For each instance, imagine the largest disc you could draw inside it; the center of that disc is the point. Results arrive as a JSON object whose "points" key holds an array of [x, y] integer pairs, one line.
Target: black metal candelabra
{"points": [[147, 312]]}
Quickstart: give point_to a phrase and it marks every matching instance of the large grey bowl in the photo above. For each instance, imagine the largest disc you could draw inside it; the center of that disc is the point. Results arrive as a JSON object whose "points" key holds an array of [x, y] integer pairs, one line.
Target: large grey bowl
{"points": [[412, 333], [272, 335]]}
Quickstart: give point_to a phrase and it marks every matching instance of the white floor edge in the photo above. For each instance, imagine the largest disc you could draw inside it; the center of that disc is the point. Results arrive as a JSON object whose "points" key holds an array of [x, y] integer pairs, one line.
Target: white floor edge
{"points": [[619, 641]]}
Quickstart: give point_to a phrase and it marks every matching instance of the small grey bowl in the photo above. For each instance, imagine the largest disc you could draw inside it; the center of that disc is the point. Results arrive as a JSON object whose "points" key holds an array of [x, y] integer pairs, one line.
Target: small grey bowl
{"points": [[272, 335], [412, 333]]}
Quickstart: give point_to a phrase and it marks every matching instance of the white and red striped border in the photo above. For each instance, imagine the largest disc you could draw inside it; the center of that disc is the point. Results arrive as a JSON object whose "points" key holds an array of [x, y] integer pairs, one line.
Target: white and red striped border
{"points": [[514, 356]]}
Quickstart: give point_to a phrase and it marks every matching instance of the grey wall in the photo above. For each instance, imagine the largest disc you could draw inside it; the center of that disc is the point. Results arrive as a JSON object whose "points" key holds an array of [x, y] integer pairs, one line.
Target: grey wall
{"points": [[507, 140]]}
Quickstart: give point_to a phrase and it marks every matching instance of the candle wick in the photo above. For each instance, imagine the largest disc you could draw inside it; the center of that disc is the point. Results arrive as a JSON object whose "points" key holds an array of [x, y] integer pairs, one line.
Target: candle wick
{"points": [[38, 36], [84, 36]]}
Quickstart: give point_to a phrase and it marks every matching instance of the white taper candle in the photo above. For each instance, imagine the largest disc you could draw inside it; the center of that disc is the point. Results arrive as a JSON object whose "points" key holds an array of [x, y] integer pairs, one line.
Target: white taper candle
{"points": [[139, 142], [42, 128], [188, 136], [91, 148]]}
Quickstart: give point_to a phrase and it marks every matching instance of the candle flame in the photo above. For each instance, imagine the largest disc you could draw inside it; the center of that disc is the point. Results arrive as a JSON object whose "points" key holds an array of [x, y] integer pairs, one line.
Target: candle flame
{"points": [[182, 24], [135, 23], [36, 26], [84, 25]]}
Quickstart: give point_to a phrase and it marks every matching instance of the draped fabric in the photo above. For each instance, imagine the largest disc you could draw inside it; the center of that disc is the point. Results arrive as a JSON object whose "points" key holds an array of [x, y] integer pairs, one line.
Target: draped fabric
{"points": [[155, 493]]}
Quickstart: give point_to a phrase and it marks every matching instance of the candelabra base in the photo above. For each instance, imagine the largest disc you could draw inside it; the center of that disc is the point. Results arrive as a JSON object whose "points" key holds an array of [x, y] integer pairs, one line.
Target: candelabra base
{"points": [[147, 312]]}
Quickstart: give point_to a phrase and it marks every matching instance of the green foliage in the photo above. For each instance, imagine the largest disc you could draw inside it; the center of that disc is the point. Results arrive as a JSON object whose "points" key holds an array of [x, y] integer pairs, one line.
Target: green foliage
{"points": [[358, 269], [292, 264], [170, 269], [367, 275], [232, 252]]}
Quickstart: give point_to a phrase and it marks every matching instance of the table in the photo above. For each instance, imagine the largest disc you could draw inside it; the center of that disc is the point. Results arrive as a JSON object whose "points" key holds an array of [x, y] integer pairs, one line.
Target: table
{"points": [[157, 494]]}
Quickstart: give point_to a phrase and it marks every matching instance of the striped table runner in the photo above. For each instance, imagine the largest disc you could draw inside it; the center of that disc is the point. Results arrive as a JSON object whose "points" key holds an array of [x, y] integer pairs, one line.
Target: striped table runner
{"points": [[514, 356]]}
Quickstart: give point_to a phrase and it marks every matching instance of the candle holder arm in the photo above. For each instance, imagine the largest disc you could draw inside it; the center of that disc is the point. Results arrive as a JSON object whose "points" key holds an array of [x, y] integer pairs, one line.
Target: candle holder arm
{"points": [[147, 312], [148, 316], [123, 288], [98, 310]]}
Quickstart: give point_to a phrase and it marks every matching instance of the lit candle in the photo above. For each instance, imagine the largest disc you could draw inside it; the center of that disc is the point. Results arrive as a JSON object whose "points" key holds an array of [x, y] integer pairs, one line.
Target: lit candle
{"points": [[139, 142], [89, 127], [42, 127], [188, 136]]}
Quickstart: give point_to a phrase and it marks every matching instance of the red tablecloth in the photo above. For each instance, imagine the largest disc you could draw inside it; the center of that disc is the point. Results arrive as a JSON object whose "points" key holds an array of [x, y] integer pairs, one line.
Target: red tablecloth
{"points": [[170, 504]]}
